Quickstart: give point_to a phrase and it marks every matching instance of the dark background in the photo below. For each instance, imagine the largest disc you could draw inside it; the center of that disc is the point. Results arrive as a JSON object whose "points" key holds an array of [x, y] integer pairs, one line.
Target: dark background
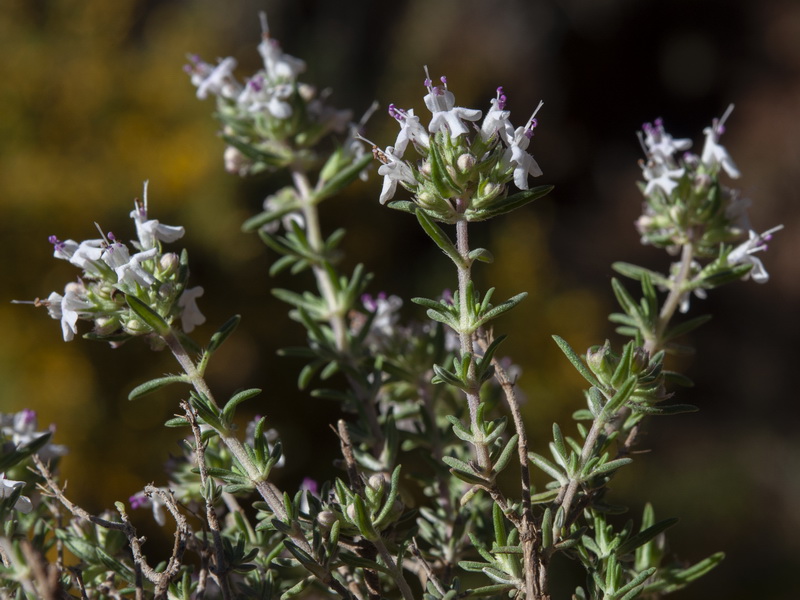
{"points": [[93, 102]]}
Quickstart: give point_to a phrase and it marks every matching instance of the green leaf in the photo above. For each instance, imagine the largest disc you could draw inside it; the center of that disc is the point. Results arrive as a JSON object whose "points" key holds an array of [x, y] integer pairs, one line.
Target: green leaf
{"points": [[577, 362], [548, 467], [440, 238], [481, 254], [155, 384], [502, 206], [150, 317], [343, 178], [686, 327], [637, 272], [501, 308], [230, 407], [222, 333], [621, 396], [657, 410], [644, 536], [502, 461], [403, 205], [633, 587], [444, 184], [611, 465]]}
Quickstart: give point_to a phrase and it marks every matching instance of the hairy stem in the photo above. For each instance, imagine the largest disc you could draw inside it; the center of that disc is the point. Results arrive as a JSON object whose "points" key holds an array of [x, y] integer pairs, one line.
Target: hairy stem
{"points": [[465, 338], [336, 311], [673, 300]]}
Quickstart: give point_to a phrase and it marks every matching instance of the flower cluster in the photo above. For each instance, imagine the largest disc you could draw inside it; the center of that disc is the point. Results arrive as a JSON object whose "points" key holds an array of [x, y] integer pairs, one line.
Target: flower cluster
{"points": [[465, 168], [112, 274], [19, 437], [272, 119], [687, 205]]}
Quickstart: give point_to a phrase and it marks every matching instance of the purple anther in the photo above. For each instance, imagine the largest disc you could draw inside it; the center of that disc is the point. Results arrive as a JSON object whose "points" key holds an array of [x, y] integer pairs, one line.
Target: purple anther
{"points": [[28, 416], [501, 98]]}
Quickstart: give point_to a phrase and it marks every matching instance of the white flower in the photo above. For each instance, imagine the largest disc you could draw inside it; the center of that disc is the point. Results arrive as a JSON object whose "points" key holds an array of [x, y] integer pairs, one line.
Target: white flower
{"points": [[150, 230], [277, 64], [524, 164], [659, 175], [411, 130], [386, 310], [21, 428], [715, 154], [394, 170], [129, 268], [7, 487], [446, 114], [686, 297], [154, 501], [73, 305], [217, 80], [191, 315], [659, 144], [496, 120], [743, 254]]}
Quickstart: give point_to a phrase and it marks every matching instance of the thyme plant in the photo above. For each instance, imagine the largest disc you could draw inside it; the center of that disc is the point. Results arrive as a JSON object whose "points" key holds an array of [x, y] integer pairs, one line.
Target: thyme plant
{"points": [[430, 413]]}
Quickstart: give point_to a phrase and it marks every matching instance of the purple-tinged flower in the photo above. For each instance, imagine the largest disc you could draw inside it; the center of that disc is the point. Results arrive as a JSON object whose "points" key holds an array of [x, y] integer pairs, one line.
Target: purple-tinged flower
{"points": [[744, 254], [659, 144], [516, 155], [714, 153], [496, 120], [411, 130], [441, 102], [21, 428], [154, 501], [151, 231]]}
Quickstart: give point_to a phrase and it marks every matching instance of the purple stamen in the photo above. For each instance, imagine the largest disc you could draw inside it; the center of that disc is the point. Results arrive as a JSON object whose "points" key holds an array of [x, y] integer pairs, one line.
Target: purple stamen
{"points": [[58, 244], [501, 98], [28, 416], [427, 82]]}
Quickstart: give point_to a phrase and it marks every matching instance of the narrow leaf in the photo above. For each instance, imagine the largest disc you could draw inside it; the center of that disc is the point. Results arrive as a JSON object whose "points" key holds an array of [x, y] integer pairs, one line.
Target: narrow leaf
{"points": [[155, 384]]}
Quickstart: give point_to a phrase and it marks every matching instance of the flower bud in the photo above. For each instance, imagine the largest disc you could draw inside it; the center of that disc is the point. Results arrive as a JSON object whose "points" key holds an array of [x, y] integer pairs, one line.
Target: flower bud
{"points": [[327, 518], [169, 264], [136, 327], [465, 162], [236, 163], [641, 359], [351, 512], [106, 325], [376, 482], [602, 361]]}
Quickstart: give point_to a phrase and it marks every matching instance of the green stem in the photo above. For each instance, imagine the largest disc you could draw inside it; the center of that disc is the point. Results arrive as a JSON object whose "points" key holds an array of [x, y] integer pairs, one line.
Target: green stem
{"points": [[267, 490], [397, 574], [671, 304], [465, 337], [326, 285], [336, 312]]}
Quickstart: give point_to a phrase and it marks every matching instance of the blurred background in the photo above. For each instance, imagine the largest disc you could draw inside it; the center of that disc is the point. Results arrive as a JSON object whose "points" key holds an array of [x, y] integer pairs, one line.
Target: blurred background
{"points": [[93, 102]]}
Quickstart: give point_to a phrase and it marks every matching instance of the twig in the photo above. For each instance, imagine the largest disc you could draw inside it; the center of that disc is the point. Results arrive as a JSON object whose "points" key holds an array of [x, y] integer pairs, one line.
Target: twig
{"points": [[211, 516]]}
